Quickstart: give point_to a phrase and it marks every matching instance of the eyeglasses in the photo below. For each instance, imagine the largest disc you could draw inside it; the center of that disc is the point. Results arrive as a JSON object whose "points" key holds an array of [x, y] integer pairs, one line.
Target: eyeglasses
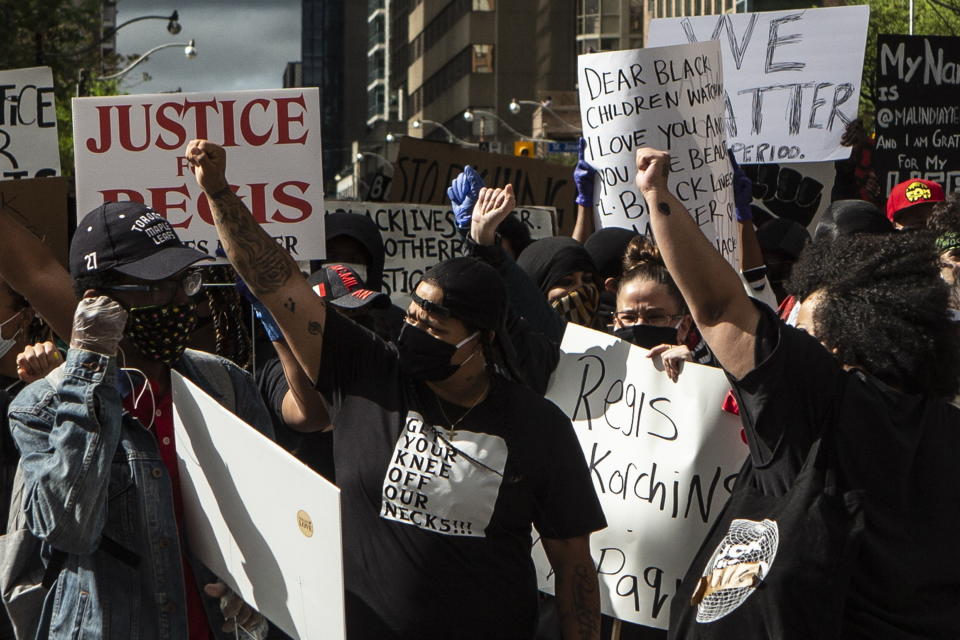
{"points": [[657, 318], [191, 282]]}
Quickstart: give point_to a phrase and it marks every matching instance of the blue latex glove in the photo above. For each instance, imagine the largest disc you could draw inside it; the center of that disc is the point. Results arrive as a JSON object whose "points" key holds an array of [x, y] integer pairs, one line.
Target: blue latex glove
{"points": [[463, 193], [742, 190], [270, 326], [583, 175]]}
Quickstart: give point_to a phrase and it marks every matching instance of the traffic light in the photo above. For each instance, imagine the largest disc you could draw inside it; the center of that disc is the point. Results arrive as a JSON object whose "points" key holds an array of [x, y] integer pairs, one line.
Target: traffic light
{"points": [[523, 148]]}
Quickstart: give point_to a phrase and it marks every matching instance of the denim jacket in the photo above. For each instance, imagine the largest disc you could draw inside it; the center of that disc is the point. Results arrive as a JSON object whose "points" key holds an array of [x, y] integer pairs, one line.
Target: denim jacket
{"points": [[92, 472]]}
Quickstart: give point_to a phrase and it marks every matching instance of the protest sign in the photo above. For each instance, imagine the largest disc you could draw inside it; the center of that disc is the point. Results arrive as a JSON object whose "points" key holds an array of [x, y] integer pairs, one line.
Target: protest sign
{"points": [[40, 205], [418, 236], [791, 78], [132, 148], [918, 110], [670, 98], [28, 124], [423, 170], [663, 457], [263, 522]]}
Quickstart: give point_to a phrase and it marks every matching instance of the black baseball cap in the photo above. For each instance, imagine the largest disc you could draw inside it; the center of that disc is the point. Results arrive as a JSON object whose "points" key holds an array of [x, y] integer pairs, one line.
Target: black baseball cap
{"points": [[132, 239], [342, 286]]}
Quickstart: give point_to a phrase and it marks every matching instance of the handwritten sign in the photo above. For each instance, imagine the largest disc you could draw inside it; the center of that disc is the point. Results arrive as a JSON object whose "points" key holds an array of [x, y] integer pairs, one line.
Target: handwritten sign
{"points": [[792, 78], [663, 458], [670, 98], [424, 170], [418, 236], [131, 148], [28, 124], [918, 116]]}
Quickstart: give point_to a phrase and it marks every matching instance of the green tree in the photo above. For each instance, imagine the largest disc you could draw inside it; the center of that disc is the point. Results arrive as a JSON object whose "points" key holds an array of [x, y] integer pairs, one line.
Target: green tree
{"points": [[930, 18], [64, 35]]}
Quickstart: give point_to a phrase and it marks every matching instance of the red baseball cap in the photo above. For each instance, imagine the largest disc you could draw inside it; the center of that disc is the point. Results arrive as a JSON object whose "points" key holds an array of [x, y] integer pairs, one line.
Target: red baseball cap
{"points": [[912, 192]]}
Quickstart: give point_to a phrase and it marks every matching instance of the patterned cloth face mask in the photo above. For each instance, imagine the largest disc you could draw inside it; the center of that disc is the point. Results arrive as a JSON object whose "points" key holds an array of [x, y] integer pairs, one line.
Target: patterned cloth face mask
{"points": [[160, 332], [579, 306]]}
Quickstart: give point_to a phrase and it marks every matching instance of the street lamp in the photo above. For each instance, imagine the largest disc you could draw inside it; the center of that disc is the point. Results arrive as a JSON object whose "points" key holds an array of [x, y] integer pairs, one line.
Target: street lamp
{"points": [[544, 104], [189, 50], [373, 154], [470, 114], [451, 138]]}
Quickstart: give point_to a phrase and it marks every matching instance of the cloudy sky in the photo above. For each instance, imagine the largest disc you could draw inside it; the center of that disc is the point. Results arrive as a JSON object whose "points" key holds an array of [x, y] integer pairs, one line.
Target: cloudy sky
{"points": [[241, 44]]}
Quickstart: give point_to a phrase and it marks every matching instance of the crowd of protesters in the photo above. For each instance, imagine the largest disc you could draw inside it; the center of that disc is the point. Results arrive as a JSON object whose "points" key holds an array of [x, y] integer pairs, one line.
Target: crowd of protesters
{"points": [[842, 349]]}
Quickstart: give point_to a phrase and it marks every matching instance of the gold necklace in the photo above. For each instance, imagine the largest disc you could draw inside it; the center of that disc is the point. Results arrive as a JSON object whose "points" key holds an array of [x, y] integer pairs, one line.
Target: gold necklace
{"points": [[453, 425]]}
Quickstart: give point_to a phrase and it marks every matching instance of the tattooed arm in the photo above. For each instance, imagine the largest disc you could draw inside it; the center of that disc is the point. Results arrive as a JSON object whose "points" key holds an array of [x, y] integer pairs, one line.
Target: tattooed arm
{"points": [[269, 271], [577, 587], [712, 289]]}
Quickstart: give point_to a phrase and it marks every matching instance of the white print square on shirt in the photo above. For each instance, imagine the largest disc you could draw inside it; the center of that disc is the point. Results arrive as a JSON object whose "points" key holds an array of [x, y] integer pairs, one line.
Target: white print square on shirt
{"points": [[443, 481]]}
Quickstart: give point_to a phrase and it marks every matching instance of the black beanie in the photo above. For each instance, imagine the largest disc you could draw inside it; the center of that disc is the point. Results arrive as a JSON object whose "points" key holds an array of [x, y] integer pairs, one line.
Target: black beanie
{"points": [[473, 291]]}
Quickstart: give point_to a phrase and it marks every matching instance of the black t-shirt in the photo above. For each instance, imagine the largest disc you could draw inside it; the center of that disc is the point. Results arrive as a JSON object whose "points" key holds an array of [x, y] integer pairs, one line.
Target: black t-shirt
{"points": [[437, 523], [314, 449], [899, 450]]}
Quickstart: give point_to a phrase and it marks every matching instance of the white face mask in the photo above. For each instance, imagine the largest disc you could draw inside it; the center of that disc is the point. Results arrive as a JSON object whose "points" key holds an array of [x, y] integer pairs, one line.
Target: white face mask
{"points": [[9, 343]]}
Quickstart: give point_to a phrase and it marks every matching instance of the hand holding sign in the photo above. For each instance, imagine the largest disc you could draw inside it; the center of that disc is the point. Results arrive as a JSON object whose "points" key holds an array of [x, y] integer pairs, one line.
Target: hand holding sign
{"points": [[493, 205]]}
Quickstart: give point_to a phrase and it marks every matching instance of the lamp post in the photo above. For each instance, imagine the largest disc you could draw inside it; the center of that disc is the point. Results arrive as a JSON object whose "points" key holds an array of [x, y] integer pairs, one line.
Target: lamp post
{"points": [[189, 50], [515, 106], [451, 138], [373, 154], [173, 28], [470, 114]]}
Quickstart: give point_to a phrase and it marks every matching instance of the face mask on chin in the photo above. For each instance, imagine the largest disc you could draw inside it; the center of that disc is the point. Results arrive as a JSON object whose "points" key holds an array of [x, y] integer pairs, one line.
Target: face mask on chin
{"points": [[161, 332], [425, 358], [647, 336]]}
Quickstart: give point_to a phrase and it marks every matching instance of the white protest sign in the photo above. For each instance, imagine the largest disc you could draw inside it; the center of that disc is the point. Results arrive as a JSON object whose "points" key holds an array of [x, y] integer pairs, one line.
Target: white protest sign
{"points": [[261, 521], [28, 124], [132, 148], [663, 457], [671, 99], [792, 78], [418, 236]]}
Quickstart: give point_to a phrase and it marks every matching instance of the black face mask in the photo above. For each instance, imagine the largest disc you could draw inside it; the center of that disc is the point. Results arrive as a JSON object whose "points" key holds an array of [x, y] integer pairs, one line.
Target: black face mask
{"points": [[647, 336], [423, 357]]}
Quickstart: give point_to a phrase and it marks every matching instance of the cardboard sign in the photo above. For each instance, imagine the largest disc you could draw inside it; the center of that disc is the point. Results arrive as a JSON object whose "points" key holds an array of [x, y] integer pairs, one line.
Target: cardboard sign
{"points": [[670, 98], [918, 110], [40, 205], [423, 170], [262, 521], [792, 78], [663, 457], [418, 236], [131, 148], [28, 124]]}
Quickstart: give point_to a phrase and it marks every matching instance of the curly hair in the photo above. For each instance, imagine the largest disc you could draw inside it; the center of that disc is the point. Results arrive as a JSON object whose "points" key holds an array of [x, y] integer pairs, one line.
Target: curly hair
{"points": [[883, 308], [642, 261], [945, 216]]}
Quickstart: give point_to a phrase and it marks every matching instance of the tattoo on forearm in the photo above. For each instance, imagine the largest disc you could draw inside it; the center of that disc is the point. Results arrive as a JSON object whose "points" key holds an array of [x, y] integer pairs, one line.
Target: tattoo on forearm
{"points": [[584, 600], [315, 328], [262, 263], [663, 208], [290, 305]]}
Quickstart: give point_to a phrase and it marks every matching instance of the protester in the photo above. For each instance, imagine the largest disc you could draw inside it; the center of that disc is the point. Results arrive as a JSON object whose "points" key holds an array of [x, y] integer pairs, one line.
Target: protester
{"points": [[301, 417], [838, 509], [845, 217], [220, 327], [97, 444], [944, 221], [449, 554], [911, 202], [650, 311], [584, 179], [563, 271], [606, 248]]}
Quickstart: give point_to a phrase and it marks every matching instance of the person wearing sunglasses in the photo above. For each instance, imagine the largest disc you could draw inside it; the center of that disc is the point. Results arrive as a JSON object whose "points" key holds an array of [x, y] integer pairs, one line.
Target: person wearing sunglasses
{"points": [[100, 478]]}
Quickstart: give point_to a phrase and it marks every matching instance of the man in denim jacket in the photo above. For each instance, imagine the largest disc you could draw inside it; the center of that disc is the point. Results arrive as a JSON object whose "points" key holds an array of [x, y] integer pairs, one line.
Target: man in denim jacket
{"points": [[101, 488]]}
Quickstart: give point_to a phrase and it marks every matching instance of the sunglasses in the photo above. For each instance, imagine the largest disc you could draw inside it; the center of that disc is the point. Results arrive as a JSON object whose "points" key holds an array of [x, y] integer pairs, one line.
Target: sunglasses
{"points": [[191, 282]]}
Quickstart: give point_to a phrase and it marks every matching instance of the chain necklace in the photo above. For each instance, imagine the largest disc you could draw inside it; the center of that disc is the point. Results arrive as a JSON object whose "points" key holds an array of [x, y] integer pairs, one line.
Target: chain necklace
{"points": [[453, 424]]}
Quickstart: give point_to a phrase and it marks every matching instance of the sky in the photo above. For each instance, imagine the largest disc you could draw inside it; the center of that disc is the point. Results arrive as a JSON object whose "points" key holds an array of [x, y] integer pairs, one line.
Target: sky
{"points": [[241, 44]]}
